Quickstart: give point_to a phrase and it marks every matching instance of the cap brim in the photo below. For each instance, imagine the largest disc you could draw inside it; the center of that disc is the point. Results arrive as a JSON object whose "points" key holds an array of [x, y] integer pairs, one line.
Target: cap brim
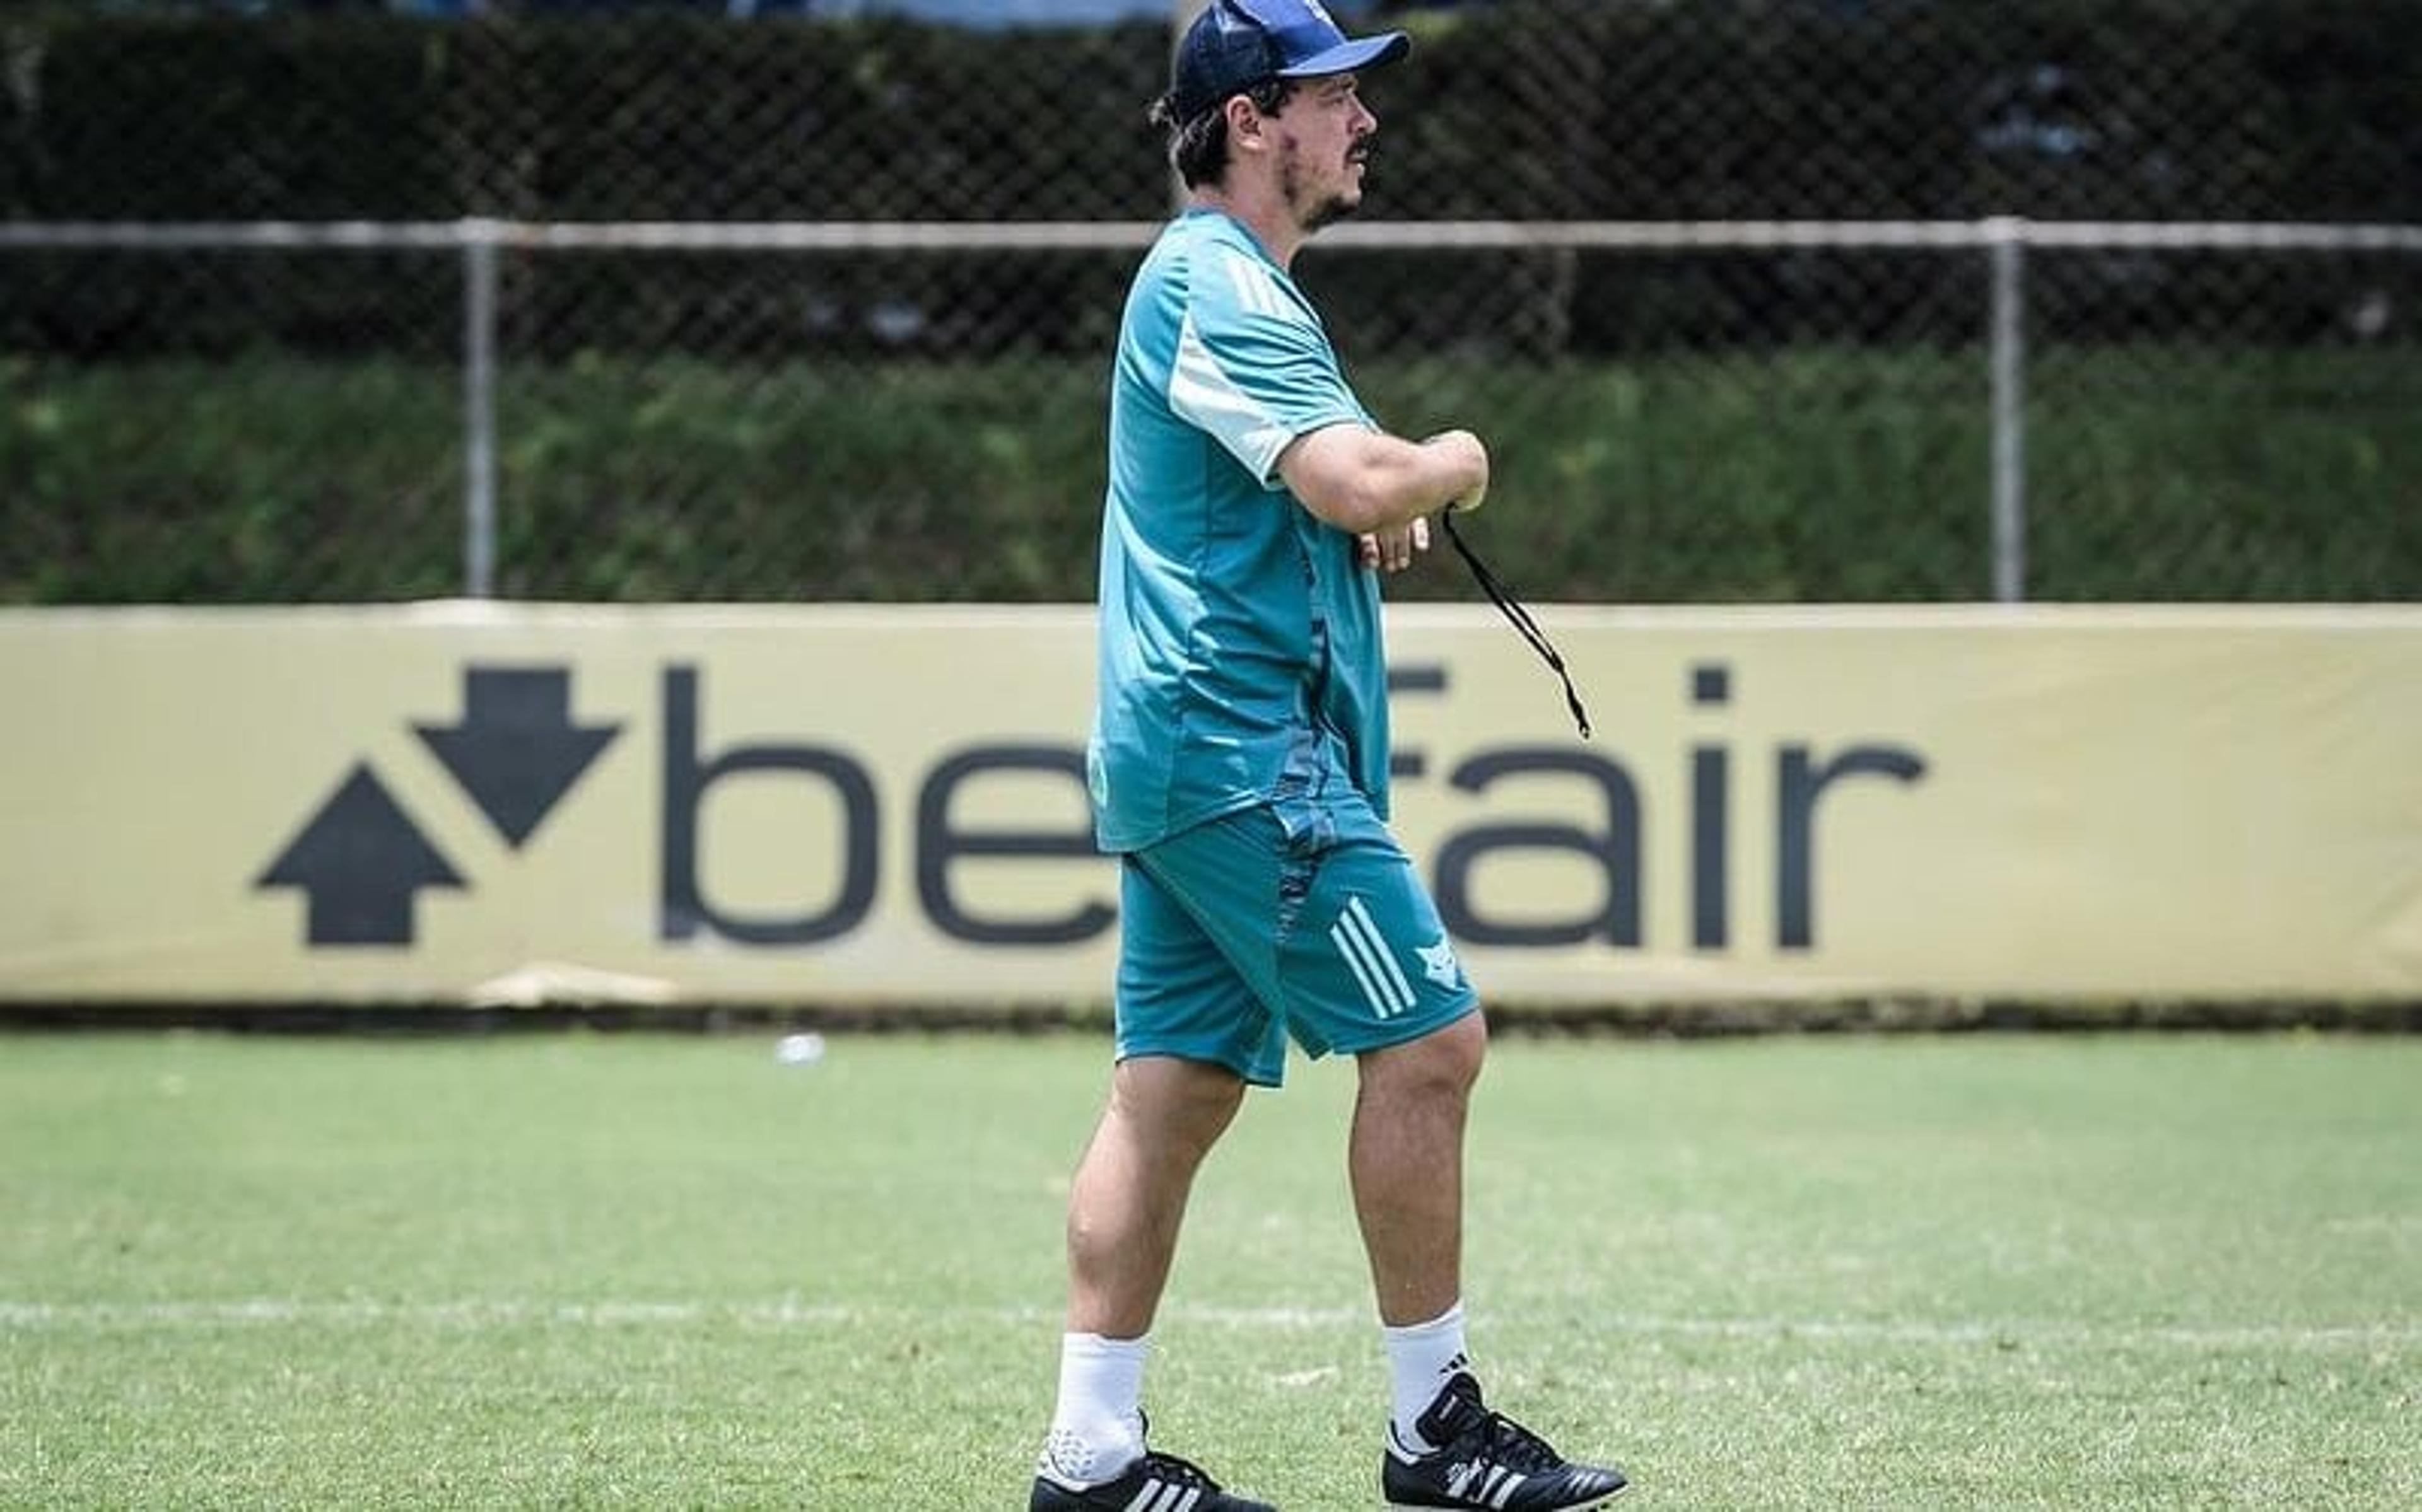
{"points": [[1352, 56]]}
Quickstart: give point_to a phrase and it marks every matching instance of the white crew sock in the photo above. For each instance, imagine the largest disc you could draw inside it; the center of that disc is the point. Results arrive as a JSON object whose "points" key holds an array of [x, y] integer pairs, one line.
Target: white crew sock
{"points": [[1097, 1428], [1420, 1357]]}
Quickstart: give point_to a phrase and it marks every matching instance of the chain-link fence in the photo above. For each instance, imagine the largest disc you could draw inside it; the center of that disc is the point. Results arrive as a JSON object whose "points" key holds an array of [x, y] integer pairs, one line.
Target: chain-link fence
{"points": [[647, 305]]}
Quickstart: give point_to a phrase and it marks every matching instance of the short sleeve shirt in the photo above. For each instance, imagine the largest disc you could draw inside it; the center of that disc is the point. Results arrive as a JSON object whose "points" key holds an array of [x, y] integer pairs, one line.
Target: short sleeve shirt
{"points": [[1240, 658]]}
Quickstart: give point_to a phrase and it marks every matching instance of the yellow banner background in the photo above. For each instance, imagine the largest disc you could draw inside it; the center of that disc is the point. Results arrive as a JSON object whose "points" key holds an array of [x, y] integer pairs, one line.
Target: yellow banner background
{"points": [[2042, 803]]}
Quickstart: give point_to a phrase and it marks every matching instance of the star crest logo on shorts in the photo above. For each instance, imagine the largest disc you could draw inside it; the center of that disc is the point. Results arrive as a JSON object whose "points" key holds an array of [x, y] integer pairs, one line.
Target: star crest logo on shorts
{"points": [[1439, 963]]}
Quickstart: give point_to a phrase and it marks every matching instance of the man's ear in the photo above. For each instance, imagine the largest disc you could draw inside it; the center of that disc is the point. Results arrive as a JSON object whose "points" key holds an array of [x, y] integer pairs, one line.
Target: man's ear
{"points": [[1244, 121]]}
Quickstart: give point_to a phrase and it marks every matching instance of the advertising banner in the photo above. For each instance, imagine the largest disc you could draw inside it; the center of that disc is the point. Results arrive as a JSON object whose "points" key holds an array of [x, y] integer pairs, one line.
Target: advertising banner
{"points": [[499, 804]]}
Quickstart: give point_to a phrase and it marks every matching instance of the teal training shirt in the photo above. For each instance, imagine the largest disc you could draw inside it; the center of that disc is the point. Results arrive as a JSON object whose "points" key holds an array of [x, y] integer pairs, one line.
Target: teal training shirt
{"points": [[1240, 660]]}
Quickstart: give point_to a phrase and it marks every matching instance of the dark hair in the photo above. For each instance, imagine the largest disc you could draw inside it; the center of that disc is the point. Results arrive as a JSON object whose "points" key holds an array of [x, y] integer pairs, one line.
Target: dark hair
{"points": [[1198, 148]]}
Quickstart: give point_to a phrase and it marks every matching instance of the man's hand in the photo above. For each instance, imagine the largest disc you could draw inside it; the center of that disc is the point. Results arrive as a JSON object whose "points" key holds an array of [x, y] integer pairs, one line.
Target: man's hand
{"points": [[1393, 548], [1473, 458]]}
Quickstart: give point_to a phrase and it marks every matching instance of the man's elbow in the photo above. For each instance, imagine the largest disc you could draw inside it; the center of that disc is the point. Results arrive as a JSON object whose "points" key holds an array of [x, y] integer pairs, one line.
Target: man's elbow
{"points": [[1355, 505], [1348, 477]]}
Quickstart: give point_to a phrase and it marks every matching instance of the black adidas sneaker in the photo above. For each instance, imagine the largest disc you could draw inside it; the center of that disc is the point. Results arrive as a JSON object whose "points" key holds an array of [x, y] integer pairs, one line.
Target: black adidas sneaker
{"points": [[1490, 1461], [1156, 1482]]}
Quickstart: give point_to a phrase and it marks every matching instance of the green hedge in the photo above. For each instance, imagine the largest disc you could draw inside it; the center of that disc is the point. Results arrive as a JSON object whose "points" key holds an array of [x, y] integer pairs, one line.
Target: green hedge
{"points": [[1537, 109], [1821, 475], [263, 428], [2208, 109]]}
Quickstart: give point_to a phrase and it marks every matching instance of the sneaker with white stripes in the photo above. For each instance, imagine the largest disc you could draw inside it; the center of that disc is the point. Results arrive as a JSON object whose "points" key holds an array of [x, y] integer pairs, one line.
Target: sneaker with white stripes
{"points": [[1156, 1482], [1488, 1461]]}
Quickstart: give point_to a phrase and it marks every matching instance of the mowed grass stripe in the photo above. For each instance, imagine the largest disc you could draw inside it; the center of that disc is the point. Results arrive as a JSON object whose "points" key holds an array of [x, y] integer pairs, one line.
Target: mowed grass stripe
{"points": [[491, 1313]]}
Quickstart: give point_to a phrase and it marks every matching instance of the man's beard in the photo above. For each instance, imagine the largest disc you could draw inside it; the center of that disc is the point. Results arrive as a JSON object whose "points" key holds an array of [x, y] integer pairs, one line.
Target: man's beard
{"points": [[1327, 212], [1330, 211]]}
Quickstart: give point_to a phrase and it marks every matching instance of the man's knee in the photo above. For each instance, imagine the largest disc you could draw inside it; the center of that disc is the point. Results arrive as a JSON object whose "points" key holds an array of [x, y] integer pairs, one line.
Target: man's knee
{"points": [[1445, 1060], [1181, 1104]]}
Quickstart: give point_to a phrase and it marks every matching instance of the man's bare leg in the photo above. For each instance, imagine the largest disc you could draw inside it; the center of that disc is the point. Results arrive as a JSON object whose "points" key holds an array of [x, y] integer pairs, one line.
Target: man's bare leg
{"points": [[1125, 1210], [1129, 1194], [1406, 1162]]}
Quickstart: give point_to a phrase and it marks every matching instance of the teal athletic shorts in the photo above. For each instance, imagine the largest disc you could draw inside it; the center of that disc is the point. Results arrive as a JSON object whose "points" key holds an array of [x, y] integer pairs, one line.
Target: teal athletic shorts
{"points": [[1235, 935]]}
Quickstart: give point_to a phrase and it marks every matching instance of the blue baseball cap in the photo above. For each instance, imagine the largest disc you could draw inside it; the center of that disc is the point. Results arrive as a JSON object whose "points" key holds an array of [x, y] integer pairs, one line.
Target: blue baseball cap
{"points": [[1235, 45]]}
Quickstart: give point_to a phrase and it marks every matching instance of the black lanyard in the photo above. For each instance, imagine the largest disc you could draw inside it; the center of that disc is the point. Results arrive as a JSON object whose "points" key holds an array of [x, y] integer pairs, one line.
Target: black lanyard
{"points": [[1500, 596]]}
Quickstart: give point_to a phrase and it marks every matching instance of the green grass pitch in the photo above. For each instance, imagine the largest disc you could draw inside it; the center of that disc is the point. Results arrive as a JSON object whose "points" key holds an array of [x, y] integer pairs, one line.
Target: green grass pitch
{"points": [[579, 1270]]}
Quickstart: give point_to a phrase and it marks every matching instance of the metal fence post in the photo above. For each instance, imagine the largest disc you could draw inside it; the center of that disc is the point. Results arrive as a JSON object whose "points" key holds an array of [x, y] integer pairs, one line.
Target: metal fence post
{"points": [[479, 239], [2006, 235]]}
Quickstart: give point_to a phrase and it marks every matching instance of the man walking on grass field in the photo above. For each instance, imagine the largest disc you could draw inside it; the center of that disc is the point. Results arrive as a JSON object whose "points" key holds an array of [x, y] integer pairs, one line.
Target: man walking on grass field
{"points": [[1239, 768]]}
